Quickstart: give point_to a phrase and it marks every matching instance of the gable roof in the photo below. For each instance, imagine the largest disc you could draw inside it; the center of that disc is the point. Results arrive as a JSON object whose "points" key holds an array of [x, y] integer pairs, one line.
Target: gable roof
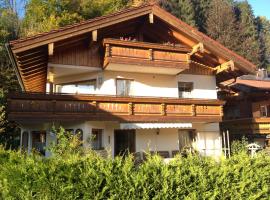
{"points": [[18, 47]]}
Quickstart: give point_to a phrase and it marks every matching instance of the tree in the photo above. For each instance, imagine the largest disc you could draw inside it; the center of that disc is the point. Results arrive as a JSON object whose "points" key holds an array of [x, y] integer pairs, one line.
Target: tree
{"points": [[249, 39], [221, 24], [9, 29], [264, 40], [45, 15], [201, 8]]}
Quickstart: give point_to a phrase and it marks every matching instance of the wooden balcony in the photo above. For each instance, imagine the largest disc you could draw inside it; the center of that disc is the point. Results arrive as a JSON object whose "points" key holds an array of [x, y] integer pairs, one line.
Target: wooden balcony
{"points": [[256, 125], [56, 107], [133, 56]]}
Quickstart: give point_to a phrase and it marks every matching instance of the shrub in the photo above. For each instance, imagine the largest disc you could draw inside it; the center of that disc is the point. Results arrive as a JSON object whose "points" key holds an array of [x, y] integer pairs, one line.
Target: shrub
{"points": [[239, 146], [74, 175]]}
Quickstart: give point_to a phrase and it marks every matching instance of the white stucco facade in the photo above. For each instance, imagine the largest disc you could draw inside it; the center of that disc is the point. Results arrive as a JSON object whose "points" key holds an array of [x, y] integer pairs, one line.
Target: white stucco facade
{"points": [[207, 140], [152, 85], [207, 137]]}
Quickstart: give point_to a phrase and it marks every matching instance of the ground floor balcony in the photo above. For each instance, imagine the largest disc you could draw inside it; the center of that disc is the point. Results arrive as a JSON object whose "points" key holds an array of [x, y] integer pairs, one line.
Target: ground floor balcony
{"points": [[60, 107], [112, 138], [254, 129], [260, 125]]}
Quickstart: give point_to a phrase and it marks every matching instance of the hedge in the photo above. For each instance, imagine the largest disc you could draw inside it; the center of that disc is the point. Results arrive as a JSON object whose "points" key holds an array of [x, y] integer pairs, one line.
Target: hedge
{"points": [[77, 175], [93, 177]]}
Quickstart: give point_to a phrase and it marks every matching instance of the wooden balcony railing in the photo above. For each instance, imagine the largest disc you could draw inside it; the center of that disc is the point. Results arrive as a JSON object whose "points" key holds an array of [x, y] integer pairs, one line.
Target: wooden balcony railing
{"points": [[145, 54], [252, 125], [27, 106]]}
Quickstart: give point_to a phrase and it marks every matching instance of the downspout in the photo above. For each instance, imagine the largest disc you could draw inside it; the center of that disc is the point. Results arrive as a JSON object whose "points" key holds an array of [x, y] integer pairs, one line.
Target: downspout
{"points": [[14, 65]]}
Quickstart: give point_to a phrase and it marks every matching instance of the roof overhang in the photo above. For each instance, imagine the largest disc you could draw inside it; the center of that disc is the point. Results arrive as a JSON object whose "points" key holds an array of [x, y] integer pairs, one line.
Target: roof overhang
{"points": [[30, 55]]}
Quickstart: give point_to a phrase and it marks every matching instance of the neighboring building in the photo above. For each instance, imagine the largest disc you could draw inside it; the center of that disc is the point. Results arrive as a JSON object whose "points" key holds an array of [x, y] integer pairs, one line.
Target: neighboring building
{"points": [[139, 79], [247, 109]]}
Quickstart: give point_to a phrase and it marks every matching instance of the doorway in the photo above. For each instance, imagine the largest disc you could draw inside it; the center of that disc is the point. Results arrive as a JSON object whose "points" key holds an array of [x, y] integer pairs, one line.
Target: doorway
{"points": [[124, 142], [186, 139]]}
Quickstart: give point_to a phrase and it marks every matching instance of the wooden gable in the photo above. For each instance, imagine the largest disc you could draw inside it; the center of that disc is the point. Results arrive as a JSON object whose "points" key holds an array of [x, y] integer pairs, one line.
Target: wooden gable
{"points": [[81, 44]]}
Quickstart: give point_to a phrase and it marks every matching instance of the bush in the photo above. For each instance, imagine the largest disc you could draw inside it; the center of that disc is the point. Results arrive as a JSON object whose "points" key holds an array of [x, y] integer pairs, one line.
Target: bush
{"points": [[239, 146], [77, 175]]}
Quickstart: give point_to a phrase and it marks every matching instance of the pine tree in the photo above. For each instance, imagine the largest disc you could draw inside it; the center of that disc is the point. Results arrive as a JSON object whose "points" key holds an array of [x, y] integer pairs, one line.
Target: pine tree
{"points": [[201, 8], [264, 40], [185, 11], [249, 38], [221, 24]]}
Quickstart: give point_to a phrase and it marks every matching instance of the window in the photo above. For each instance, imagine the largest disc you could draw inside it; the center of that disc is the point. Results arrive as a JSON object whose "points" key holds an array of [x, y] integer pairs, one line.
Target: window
{"points": [[186, 139], [265, 111], [39, 141], [97, 139], [25, 136], [184, 89], [79, 133], [123, 87], [82, 87]]}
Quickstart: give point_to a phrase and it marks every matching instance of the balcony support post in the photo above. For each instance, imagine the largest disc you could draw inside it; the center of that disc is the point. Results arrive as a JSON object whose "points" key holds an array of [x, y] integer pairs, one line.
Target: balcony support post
{"points": [[151, 54], [221, 111], [151, 18], [107, 51], [94, 104], [193, 110], [130, 108], [163, 109]]}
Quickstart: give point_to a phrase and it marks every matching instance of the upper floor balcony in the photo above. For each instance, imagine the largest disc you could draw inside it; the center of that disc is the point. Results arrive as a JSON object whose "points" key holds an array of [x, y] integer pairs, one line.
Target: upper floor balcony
{"points": [[135, 56], [59, 107]]}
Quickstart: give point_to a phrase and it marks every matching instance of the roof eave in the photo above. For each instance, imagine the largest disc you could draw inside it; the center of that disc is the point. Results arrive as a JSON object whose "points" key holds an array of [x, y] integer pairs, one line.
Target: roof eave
{"points": [[15, 66]]}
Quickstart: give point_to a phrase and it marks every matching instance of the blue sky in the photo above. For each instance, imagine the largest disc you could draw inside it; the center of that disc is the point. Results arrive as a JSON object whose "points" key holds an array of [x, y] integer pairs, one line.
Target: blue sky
{"points": [[261, 7]]}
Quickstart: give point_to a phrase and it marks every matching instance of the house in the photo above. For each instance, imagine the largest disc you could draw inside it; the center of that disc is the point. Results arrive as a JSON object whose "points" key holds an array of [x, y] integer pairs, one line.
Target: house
{"points": [[247, 109], [139, 79]]}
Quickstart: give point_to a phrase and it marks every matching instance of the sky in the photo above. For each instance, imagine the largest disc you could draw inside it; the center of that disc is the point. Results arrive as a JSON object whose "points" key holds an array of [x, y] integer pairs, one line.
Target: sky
{"points": [[261, 7]]}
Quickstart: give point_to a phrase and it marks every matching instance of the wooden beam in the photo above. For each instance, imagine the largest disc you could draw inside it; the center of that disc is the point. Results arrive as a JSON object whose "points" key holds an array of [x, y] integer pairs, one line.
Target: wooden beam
{"points": [[79, 30], [50, 49], [225, 67], [197, 48], [151, 18], [94, 35]]}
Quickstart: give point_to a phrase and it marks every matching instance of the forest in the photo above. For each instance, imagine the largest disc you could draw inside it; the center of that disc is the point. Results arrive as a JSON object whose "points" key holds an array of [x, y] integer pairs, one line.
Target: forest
{"points": [[230, 22]]}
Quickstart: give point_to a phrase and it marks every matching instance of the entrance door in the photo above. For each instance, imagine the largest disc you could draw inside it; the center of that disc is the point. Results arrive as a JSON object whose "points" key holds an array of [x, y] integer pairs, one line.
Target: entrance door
{"points": [[124, 142]]}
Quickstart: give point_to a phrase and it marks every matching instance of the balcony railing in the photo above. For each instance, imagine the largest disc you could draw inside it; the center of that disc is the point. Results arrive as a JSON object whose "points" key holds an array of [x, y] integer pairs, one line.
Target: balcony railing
{"points": [[145, 54], [24, 106]]}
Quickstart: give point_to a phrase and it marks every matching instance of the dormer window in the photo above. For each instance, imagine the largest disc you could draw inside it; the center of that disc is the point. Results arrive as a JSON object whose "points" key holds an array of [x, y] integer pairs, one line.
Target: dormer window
{"points": [[185, 89]]}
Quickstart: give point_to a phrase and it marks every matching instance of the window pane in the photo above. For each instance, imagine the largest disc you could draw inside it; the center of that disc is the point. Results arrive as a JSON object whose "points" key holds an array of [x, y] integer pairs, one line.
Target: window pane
{"points": [[123, 87], [263, 111], [185, 89], [39, 141], [83, 87], [97, 139]]}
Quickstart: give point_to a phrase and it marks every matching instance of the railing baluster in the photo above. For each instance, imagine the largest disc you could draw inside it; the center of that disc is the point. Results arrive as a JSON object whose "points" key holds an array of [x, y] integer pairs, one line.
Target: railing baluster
{"points": [[150, 54], [163, 109], [193, 110], [130, 108]]}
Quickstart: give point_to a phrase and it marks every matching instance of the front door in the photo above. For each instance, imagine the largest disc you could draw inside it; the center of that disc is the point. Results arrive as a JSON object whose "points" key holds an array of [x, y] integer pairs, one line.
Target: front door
{"points": [[124, 142]]}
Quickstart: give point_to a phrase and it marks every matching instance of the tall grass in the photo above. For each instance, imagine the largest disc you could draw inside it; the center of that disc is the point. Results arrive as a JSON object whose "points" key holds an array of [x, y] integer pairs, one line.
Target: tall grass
{"points": [[86, 175]]}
